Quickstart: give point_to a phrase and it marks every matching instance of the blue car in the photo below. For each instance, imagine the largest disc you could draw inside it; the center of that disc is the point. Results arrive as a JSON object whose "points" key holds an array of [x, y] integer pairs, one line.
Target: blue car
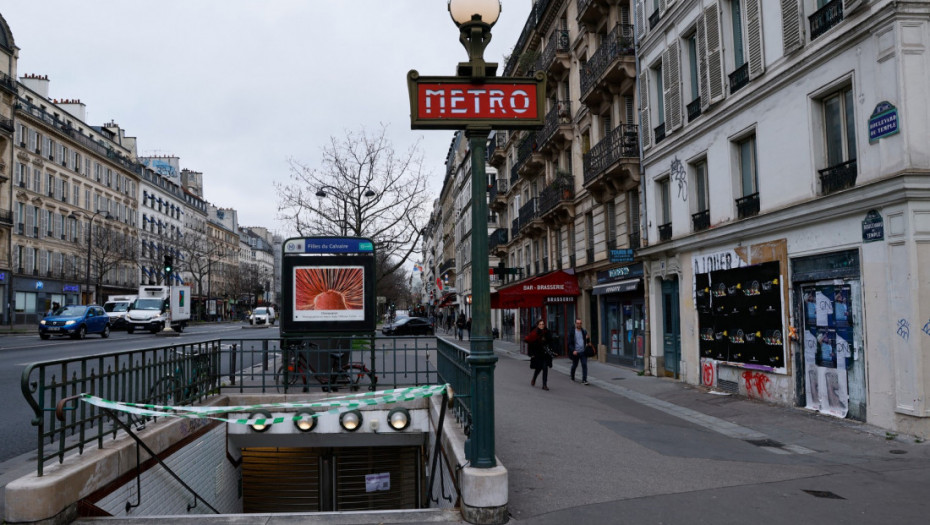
{"points": [[76, 321]]}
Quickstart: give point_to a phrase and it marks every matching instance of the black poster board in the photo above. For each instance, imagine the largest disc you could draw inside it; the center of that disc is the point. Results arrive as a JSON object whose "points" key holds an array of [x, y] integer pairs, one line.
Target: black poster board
{"points": [[740, 315]]}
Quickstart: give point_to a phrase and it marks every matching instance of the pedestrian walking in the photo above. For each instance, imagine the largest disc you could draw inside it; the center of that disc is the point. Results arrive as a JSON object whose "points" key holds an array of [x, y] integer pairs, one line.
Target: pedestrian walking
{"points": [[460, 325], [539, 339], [468, 327], [581, 350]]}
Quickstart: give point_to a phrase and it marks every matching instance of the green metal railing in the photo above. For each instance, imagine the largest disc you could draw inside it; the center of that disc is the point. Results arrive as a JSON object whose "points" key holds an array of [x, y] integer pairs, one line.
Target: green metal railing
{"points": [[184, 374]]}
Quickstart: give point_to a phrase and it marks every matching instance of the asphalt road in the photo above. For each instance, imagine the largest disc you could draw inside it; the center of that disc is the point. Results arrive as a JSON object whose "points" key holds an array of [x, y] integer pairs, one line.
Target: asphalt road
{"points": [[17, 435]]}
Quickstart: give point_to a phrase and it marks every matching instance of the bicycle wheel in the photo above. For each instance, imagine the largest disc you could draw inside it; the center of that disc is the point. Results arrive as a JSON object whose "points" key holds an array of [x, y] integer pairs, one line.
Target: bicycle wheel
{"points": [[359, 377], [166, 392], [285, 378]]}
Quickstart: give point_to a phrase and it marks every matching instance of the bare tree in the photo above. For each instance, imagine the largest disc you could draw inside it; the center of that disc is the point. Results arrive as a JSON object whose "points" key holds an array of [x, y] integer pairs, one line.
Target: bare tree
{"points": [[202, 260], [371, 191], [110, 249]]}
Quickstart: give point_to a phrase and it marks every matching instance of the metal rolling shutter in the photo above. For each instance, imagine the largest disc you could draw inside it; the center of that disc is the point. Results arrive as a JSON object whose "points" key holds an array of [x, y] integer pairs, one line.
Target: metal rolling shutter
{"points": [[353, 464], [280, 480]]}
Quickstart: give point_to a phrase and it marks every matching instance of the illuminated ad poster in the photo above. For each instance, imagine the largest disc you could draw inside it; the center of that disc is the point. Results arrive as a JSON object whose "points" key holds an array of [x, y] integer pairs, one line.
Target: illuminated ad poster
{"points": [[329, 293], [327, 285]]}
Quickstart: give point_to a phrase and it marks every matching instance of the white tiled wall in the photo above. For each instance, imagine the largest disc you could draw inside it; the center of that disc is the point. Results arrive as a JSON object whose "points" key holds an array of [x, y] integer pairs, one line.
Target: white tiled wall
{"points": [[202, 465]]}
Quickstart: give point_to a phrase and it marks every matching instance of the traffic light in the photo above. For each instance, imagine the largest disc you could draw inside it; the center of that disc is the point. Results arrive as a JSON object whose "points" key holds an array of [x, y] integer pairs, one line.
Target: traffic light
{"points": [[169, 264]]}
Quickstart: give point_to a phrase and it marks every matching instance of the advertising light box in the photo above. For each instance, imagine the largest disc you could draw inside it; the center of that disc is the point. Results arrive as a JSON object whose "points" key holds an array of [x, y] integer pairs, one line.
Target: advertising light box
{"points": [[328, 285]]}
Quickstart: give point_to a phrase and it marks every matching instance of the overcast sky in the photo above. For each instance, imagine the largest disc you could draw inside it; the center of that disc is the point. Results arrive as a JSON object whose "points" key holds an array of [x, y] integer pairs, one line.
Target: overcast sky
{"points": [[237, 87]]}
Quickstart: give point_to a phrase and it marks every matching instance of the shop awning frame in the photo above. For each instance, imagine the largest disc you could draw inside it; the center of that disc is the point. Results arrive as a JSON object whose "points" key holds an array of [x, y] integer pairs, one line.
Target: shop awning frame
{"points": [[532, 293], [628, 285]]}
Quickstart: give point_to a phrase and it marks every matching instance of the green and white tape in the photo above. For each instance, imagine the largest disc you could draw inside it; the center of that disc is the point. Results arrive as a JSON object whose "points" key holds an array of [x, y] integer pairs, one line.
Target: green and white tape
{"points": [[332, 405]]}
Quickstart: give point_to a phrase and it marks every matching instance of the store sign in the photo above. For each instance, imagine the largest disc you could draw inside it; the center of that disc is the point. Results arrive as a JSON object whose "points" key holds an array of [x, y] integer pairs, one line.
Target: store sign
{"points": [[71, 288], [40, 285], [873, 227], [457, 102], [560, 299], [883, 121], [620, 256], [725, 260], [2, 277], [623, 272]]}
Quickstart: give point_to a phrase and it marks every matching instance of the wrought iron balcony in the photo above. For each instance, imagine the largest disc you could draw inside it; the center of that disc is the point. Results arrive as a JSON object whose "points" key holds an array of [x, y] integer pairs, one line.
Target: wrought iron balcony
{"points": [[6, 217], [634, 241], [448, 264], [825, 18], [665, 231], [583, 6], [6, 124], [528, 212], [747, 206], [659, 133], [620, 142], [839, 177], [559, 114], [739, 78], [524, 150], [514, 229], [561, 189], [694, 109], [619, 42], [498, 238], [498, 188], [701, 220], [654, 19], [558, 43], [8, 83], [589, 255]]}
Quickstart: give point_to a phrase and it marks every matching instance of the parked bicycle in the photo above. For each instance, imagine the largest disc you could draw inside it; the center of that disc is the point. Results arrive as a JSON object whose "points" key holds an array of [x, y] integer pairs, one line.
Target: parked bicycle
{"points": [[177, 388], [297, 366]]}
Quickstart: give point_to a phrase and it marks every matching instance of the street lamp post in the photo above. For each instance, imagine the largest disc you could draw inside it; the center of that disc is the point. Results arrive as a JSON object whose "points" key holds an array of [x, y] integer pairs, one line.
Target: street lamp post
{"points": [[345, 204], [474, 19], [90, 237]]}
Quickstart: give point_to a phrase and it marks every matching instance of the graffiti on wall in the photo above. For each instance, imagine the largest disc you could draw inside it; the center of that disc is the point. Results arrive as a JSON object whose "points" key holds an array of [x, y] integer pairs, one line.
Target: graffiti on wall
{"points": [[926, 328], [757, 384], [679, 175], [904, 329], [708, 373]]}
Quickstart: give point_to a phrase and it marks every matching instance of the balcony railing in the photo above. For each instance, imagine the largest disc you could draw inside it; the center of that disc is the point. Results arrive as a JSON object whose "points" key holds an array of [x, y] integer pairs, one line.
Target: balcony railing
{"points": [[583, 6], [526, 148], [6, 217], [825, 18], [659, 132], [839, 177], [701, 220], [654, 19], [694, 109], [498, 238], [9, 83], [528, 212], [558, 43], [449, 264], [619, 42], [562, 189], [747, 206], [739, 78], [665, 231], [589, 255], [497, 188], [634, 241], [559, 114], [620, 142], [514, 228]]}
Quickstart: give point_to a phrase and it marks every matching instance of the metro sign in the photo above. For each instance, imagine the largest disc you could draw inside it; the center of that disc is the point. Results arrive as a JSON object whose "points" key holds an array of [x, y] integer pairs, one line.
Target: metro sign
{"points": [[456, 102]]}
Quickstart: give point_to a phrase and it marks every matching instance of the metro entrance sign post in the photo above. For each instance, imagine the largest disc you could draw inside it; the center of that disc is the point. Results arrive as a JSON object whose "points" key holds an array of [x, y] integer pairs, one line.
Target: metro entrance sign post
{"points": [[478, 101]]}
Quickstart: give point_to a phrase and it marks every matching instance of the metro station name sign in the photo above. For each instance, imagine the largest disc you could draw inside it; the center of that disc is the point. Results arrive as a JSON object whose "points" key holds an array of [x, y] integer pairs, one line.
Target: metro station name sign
{"points": [[456, 102]]}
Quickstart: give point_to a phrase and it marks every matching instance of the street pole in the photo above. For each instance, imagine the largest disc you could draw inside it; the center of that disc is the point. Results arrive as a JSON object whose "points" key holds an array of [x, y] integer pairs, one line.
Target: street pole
{"points": [[481, 358]]}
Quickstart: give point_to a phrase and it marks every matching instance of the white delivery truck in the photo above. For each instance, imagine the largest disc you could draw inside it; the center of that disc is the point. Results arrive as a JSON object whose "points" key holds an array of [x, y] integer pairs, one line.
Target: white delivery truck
{"points": [[159, 306], [116, 307]]}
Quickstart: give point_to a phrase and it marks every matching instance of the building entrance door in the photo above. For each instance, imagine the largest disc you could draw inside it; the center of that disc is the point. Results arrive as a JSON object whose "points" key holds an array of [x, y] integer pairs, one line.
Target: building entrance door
{"points": [[671, 332]]}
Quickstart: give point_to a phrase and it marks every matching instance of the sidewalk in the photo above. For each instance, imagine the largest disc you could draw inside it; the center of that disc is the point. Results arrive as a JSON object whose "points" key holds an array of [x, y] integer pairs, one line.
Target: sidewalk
{"points": [[641, 449]]}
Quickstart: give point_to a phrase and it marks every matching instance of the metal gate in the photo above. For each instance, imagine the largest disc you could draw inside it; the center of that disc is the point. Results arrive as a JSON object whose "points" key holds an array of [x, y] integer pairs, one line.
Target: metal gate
{"points": [[331, 479]]}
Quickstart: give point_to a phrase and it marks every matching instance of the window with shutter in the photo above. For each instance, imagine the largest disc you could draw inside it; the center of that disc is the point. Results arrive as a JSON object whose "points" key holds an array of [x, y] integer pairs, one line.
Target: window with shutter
{"points": [[714, 54], [640, 19], [755, 51], [645, 131], [672, 89], [702, 61]]}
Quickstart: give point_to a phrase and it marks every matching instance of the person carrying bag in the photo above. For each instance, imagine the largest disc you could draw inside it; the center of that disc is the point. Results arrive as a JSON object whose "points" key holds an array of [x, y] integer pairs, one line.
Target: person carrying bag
{"points": [[539, 341], [581, 350]]}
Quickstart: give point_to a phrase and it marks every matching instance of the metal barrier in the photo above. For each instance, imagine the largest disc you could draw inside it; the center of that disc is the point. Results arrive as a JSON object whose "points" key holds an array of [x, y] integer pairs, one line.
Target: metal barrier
{"points": [[183, 374]]}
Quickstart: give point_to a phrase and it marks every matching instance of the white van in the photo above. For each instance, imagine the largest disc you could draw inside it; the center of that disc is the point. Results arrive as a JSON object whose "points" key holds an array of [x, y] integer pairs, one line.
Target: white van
{"points": [[116, 307]]}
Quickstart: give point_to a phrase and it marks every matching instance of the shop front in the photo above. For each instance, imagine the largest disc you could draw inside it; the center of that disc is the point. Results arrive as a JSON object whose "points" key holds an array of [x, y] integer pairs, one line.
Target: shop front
{"points": [[551, 297], [621, 303], [32, 298]]}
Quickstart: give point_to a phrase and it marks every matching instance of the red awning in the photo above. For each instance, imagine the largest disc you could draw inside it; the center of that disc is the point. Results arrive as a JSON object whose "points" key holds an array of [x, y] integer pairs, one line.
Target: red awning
{"points": [[533, 293], [448, 299]]}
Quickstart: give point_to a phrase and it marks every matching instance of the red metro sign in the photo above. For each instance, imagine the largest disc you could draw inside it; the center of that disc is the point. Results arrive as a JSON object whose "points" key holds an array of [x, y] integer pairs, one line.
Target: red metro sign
{"points": [[456, 103]]}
